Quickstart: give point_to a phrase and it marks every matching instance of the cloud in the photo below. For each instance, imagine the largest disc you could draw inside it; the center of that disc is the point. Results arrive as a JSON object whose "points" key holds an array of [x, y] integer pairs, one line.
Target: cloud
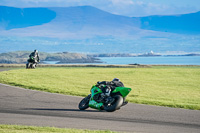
{"points": [[132, 8], [122, 2], [138, 8]]}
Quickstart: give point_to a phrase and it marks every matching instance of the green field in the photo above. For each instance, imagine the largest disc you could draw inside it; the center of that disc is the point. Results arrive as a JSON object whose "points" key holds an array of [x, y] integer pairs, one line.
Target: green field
{"points": [[162, 85], [33, 129]]}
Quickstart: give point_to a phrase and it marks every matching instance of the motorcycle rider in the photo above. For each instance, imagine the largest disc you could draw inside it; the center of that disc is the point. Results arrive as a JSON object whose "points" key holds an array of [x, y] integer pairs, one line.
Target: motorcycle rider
{"points": [[107, 87], [35, 56]]}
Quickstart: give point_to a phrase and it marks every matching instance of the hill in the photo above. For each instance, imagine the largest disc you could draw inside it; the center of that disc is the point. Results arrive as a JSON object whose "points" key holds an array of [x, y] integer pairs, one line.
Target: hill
{"points": [[91, 30], [20, 57]]}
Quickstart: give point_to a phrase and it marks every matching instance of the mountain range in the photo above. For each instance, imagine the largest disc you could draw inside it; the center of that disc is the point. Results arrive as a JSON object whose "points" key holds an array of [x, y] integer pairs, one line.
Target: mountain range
{"points": [[87, 29]]}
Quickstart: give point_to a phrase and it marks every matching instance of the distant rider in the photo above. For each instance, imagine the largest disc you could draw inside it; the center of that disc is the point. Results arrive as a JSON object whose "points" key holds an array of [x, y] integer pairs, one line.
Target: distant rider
{"points": [[34, 57], [107, 87]]}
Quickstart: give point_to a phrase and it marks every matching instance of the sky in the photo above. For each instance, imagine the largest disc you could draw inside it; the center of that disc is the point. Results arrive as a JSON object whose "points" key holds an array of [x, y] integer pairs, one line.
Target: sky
{"points": [[131, 8]]}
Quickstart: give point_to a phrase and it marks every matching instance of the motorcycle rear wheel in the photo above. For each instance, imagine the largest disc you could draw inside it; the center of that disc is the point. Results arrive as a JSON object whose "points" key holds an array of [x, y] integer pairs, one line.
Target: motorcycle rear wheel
{"points": [[115, 105], [84, 103]]}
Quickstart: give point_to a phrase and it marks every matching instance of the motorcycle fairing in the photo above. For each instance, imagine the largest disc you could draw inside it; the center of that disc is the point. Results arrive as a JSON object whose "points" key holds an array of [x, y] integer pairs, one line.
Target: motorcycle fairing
{"points": [[93, 104]]}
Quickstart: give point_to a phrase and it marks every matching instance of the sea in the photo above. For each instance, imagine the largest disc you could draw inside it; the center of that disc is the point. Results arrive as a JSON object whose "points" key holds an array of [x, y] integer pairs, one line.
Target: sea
{"points": [[154, 60]]}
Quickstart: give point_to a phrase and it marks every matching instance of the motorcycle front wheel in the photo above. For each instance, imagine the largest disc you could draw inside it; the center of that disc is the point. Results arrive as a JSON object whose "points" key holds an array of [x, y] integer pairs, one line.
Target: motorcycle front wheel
{"points": [[114, 105], [28, 66], [84, 103]]}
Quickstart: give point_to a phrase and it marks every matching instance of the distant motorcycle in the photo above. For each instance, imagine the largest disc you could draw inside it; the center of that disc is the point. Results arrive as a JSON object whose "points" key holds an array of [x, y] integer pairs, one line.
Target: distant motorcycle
{"points": [[101, 102], [31, 63]]}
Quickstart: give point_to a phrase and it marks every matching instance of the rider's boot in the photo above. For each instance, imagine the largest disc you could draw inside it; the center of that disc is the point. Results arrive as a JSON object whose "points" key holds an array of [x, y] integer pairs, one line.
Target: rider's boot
{"points": [[124, 103]]}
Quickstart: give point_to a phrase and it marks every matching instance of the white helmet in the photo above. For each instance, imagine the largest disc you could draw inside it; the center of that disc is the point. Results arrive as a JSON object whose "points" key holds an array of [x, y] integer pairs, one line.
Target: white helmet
{"points": [[36, 51]]}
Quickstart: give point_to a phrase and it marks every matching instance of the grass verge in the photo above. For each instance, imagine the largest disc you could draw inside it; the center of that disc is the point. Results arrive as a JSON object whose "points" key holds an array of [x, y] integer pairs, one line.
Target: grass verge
{"points": [[33, 129], [160, 85]]}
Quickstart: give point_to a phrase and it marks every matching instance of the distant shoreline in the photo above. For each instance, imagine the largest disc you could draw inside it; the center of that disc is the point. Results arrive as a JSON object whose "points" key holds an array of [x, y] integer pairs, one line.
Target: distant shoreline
{"points": [[92, 65], [151, 58], [140, 55]]}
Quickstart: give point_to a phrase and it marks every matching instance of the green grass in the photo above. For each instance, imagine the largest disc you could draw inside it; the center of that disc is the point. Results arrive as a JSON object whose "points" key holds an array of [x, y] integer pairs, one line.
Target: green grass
{"points": [[33, 129], [164, 86]]}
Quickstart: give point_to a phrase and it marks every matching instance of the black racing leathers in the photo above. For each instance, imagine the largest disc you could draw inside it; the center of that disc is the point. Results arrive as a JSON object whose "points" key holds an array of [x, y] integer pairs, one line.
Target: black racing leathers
{"points": [[112, 85], [35, 57]]}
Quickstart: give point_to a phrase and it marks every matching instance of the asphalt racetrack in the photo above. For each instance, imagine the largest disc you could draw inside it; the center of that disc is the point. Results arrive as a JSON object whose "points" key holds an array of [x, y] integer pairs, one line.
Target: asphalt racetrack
{"points": [[29, 107]]}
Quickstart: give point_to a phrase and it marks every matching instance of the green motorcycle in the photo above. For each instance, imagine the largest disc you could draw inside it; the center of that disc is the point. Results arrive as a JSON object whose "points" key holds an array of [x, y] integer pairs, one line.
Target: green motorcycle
{"points": [[98, 100]]}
